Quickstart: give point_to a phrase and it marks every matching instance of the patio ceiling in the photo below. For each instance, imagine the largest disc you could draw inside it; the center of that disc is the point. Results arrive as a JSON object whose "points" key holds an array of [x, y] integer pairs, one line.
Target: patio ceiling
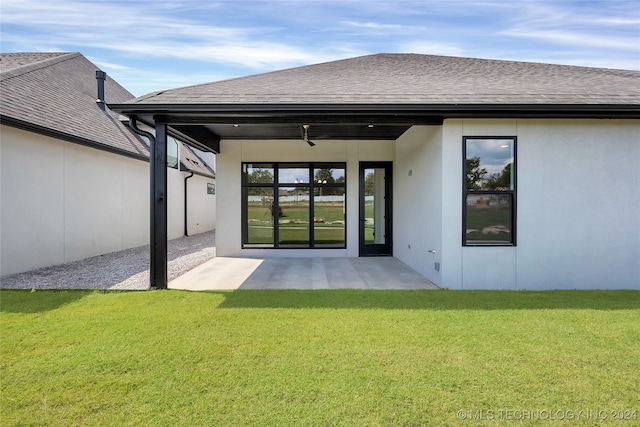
{"points": [[317, 131], [203, 126], [204, 129]]}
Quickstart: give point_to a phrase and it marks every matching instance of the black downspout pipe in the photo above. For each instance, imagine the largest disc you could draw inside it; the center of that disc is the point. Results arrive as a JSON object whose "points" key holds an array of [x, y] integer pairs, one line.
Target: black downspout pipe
{"points": [[186, 199]]}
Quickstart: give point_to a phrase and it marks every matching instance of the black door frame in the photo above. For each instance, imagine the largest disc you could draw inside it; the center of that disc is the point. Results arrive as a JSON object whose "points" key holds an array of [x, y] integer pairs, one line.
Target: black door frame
{"points": [[385, 249]]}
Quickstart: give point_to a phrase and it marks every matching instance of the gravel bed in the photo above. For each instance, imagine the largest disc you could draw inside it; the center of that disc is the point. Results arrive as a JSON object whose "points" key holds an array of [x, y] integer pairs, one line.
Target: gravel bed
{"points": [[123, 270]]}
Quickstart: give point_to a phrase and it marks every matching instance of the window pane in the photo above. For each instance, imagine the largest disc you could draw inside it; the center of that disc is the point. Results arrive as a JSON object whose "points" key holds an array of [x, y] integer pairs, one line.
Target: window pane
{"points": [[257, 173], [329, 173], [293, 184], [489, 218], [374, 206], [259, 217], [489, 164], [293, 174], [172, 152], [293, 212], [329, 217]]}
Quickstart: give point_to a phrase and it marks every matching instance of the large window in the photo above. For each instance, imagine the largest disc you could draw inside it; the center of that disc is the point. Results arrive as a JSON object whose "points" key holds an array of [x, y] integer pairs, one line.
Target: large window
{"points": [[293, 205], [489, 195]]}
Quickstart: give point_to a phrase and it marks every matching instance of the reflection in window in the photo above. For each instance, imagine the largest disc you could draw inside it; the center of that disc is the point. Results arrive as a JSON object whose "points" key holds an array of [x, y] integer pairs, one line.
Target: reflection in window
{"points": [[489, 208], [308, 212], [294, 208], [172, 152], [329, 174], [259, 207], [489, 218], [293, 174], [329, 216], [257, 173], [489, 163]]}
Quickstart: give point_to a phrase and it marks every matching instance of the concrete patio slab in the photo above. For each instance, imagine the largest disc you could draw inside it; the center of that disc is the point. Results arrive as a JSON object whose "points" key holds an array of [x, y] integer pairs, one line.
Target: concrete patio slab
{"points": [[223, 273]]}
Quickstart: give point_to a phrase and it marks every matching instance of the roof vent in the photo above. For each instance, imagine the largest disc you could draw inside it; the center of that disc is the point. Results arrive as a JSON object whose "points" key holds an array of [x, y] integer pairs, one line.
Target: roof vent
{"points": [[101, 76]]}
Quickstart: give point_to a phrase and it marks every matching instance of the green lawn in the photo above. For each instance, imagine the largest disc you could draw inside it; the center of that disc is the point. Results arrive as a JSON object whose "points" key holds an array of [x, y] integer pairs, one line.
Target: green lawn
{"points": [[351, 358]]}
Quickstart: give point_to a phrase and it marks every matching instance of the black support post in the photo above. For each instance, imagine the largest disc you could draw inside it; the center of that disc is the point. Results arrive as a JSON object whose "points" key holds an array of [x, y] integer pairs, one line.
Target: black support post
{"points": [[158, 236]]}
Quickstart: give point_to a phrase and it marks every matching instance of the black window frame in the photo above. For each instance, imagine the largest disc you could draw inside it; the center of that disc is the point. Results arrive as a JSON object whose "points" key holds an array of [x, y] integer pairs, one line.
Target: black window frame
{"points": [[512, 193], [275, 185]]}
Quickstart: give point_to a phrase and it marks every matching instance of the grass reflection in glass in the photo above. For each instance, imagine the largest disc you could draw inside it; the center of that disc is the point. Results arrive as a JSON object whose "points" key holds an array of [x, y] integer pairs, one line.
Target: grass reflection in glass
{"points": [[293, 224], [489, 218]]}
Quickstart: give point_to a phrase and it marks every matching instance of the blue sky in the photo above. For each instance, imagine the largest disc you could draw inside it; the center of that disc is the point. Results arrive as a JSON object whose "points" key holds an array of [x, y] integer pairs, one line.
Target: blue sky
{"points": [[149, 45]]}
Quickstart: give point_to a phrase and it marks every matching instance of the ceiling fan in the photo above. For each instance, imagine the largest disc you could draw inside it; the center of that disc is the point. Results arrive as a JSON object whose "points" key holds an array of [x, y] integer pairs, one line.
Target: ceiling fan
{"points": [[305, 135]]}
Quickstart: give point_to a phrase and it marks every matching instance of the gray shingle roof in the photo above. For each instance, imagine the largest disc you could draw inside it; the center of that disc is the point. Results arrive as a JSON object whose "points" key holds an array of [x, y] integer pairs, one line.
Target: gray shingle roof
{"points": [[57, 92], [10, 61], [416, 79]]}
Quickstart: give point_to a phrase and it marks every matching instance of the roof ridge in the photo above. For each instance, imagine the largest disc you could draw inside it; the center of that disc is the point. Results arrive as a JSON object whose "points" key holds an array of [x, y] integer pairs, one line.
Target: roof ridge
{"points": [[38, 65]]}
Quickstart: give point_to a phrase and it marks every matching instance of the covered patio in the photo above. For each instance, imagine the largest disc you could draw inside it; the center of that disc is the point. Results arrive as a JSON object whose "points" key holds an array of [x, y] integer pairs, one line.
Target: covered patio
{"points": [[308, 126]]}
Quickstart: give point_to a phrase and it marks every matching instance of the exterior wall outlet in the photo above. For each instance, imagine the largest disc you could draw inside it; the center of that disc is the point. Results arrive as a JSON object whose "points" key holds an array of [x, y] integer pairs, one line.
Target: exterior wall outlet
{"points": [[436, 266]]}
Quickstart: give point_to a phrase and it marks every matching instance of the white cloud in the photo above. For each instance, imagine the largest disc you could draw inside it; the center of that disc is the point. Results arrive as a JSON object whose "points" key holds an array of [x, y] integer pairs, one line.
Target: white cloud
{"points": [[578, 25], [618, 21], [130, 31], [375, 26], [576, 38], [105, 64]]}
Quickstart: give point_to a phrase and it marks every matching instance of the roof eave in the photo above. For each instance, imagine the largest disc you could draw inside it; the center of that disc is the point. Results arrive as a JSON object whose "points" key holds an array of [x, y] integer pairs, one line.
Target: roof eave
{"points": [[401, 113], [42, 130]]}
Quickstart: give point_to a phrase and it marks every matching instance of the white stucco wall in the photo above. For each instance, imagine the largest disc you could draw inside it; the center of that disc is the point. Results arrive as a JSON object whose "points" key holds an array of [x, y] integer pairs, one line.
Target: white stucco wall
{"points": [[62, 202], [96, 185], [32, 223], [418, 200], [578, 204], [175, 203], [233, 153], [201, 208], [577, 207]]}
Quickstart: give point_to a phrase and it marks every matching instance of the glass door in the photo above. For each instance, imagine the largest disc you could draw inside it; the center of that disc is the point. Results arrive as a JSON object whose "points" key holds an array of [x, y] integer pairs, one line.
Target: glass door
{"points": [[375, 209]]}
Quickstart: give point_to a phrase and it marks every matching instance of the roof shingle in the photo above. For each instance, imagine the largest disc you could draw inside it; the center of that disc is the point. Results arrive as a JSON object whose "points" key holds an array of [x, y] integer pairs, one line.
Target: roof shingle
{"points": [[57, 92], [416, 79]]}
